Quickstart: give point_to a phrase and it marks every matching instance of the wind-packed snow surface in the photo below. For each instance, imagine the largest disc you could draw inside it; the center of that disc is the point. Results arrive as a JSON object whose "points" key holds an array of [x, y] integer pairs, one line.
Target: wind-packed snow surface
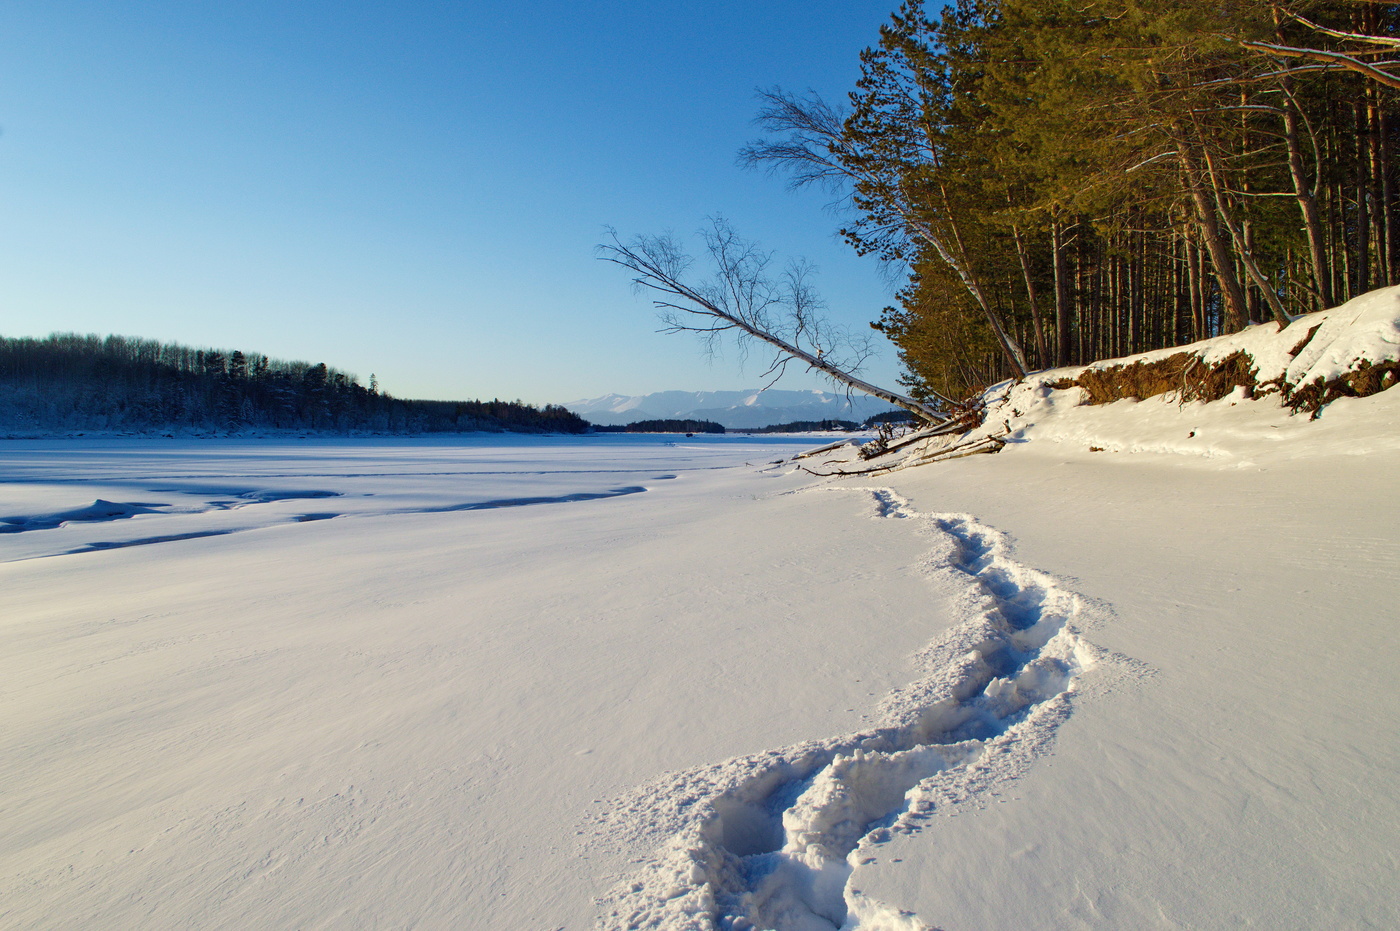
{"points": [[610, 682]]}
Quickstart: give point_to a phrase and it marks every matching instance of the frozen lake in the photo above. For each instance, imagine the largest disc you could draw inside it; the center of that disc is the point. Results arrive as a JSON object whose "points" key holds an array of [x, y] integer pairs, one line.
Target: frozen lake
{"points": [[626, 682], [90, 494], [325, 683]]}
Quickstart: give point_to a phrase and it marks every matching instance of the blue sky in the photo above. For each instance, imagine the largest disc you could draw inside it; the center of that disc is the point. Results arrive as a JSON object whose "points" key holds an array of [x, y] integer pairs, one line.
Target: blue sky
{"points": [[410, 189]]}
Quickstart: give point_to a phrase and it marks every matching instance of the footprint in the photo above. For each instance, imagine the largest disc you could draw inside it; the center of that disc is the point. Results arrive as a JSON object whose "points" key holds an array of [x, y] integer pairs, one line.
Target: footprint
{"points": [[772, 841]]}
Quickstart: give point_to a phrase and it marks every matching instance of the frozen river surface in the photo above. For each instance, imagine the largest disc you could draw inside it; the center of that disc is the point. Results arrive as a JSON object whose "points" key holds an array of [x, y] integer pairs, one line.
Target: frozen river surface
{"points": [[88, 489], [351, 684], [525, 684]]}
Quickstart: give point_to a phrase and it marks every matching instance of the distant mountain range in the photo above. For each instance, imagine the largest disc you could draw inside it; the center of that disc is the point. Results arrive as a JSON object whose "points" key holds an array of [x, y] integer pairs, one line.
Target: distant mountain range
{"points": [[735, 410]]}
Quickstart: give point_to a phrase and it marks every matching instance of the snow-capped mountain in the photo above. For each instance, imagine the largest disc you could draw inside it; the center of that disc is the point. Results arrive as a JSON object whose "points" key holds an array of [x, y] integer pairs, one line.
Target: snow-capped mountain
{"points": [[737, 410]]}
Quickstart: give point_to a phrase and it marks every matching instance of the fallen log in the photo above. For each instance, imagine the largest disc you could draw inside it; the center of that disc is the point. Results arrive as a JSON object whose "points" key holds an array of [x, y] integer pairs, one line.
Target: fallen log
{"points": [[983, 445], [823, 449]]}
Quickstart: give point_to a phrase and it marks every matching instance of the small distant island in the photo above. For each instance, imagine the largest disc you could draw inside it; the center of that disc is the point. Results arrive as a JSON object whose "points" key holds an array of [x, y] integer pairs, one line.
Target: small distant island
{"points": [[68, 382], [796, 426], [662, 426]]}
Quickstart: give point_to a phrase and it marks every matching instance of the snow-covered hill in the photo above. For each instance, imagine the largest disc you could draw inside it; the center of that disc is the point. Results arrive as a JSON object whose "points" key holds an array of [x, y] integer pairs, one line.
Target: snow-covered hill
{"points": [[737, 410], [1258, 395]]}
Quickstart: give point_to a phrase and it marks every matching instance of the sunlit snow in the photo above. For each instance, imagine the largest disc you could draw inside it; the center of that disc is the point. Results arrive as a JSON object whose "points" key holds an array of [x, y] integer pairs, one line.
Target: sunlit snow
{"points": [[1130, 672]]}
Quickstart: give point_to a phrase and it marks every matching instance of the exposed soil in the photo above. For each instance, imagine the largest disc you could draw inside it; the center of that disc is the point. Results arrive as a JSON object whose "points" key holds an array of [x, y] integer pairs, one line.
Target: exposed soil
{"points": [[1195, 380], [1183, 373], [1366, 379]]}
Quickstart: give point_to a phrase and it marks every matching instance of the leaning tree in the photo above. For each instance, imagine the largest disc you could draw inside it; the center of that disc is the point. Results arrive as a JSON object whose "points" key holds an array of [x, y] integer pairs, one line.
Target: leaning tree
{"points": [[740, 298]]}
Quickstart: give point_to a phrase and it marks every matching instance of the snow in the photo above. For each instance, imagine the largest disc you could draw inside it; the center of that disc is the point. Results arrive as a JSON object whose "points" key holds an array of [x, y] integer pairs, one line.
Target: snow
{"points": [[1117, 675], [1328, 344], [775, 837], [398, 716], [1251, 779]]}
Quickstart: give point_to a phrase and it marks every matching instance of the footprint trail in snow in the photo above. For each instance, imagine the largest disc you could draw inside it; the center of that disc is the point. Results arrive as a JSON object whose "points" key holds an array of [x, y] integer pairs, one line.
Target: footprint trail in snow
{"points": [[775, 840]]}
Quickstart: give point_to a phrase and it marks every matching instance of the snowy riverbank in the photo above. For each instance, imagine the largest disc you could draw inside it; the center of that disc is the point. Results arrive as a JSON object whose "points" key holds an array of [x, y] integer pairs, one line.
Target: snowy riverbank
{"points": [[355, 687], [1241, 768], [1170, 721]]}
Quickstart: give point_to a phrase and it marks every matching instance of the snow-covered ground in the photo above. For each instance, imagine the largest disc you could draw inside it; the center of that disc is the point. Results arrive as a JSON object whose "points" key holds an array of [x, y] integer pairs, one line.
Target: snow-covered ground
{"points": [[1150, 686], [1249, 776], [401, 716]]}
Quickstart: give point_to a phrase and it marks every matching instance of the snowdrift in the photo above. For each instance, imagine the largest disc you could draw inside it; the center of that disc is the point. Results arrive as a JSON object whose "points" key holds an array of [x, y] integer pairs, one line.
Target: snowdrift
{"points": [[1349, 351], [1302, 390]]}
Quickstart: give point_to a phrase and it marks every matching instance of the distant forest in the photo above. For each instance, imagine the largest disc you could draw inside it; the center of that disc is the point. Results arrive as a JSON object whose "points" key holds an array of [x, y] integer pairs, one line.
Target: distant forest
{"points": [[828, 426], [807, 426], [664, 426], [796, 426], [69, 382]]}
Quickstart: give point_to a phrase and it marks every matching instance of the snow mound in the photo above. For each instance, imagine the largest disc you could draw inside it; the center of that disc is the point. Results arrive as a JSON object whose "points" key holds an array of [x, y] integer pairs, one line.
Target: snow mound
{"points": [[1314, 388], [1320, 347], [1341, 341]]}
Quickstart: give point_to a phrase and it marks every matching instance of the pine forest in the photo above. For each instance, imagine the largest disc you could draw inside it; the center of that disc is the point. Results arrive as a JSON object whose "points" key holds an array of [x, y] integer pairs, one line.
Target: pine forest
{"points": [[1069, 182], [115, 383]]}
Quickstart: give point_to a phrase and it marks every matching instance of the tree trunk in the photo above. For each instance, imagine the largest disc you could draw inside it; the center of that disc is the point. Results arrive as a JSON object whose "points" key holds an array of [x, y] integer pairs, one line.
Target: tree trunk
{"points": [[1363, 210], [1236, 311], [1378, 201], [1244, 248], [1307, 202], [1062, 295], [1042, 353], [1388, 199], [959, 263]]}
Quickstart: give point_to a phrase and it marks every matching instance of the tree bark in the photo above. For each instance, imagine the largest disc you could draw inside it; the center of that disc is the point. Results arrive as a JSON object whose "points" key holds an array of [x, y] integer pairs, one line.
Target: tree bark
{"points": [[1062, 294], [1236, 309], [1041, 350]]}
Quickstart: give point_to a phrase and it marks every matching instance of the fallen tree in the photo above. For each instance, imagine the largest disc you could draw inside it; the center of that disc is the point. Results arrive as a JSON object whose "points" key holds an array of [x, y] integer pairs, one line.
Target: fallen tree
{"points": [[740, 299]]}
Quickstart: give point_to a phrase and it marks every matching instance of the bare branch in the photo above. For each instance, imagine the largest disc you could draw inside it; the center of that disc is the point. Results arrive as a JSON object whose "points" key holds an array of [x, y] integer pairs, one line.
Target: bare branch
{"points": [[818, 150], [740, 298], [1352, 36], [1336, 59]]}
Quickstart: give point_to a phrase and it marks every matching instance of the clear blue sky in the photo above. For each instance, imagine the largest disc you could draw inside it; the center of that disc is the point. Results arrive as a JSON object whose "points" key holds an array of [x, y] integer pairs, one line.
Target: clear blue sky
{"points": [[412, 189]]}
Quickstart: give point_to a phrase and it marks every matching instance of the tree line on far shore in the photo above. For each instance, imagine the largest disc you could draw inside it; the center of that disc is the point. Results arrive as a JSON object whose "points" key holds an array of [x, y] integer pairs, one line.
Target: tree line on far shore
{"points": [[795, 426], [662, 426], [71, 382]]}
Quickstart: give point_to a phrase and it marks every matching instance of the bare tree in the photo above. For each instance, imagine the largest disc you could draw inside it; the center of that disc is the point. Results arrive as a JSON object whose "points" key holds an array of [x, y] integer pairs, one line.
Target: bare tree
{"points": [[741, 299], [894, 179]]}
